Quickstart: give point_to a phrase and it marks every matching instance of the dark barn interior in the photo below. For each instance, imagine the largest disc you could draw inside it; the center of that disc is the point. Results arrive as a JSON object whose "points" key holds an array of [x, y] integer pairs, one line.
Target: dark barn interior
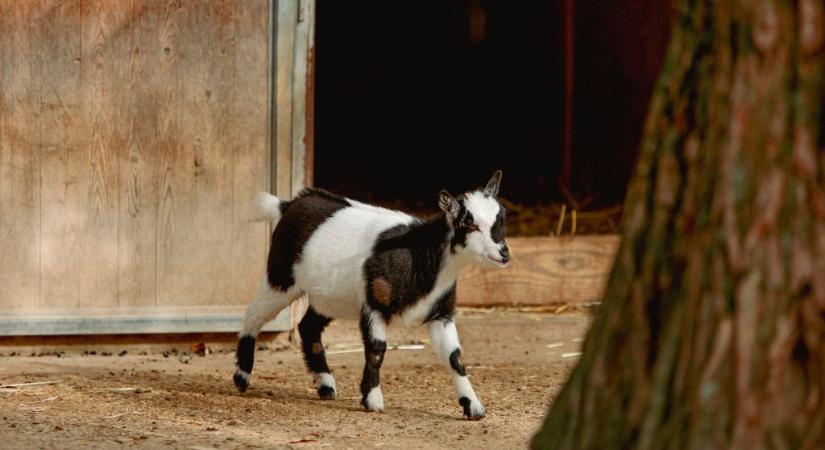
{"points": [[410, 100]]}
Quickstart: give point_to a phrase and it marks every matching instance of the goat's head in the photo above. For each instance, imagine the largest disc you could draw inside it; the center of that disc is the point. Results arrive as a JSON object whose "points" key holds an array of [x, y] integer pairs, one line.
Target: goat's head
{"points": [[477, 221]]}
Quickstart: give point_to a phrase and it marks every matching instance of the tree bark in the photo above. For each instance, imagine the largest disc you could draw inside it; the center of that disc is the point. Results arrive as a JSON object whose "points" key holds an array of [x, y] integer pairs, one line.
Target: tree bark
{"points": [[712, 329]]}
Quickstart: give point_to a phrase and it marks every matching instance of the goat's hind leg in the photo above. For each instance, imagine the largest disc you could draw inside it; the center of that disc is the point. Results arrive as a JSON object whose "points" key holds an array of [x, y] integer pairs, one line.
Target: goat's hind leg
{"points": [[310, 328], [267, 304], [374, 333]]}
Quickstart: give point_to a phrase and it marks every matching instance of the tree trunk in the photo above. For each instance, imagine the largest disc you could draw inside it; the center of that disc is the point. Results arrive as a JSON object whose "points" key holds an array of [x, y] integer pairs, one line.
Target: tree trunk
{"points": [[712, 329]]}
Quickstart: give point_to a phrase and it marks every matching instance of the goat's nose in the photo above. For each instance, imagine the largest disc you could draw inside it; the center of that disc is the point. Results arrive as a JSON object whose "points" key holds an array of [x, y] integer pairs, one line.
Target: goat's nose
{"points": [[505, 254]]}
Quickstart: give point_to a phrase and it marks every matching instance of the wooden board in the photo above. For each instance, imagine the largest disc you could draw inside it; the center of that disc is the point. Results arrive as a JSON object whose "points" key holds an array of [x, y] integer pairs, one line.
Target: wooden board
{"points": [[544, 270], [294, 39], [198, 201], [144, 146], [19, 159], [252, 69], [284, 21], [119, 321], [133, 138]]}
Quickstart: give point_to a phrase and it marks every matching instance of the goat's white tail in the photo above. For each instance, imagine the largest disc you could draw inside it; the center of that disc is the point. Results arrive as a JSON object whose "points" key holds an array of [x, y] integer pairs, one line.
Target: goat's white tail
{"points": [[267, 207]]}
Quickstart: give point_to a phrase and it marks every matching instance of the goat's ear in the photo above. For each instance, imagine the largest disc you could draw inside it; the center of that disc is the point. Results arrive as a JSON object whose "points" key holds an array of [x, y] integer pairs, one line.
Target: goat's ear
{"points": [[448, 204], [492, 186]]}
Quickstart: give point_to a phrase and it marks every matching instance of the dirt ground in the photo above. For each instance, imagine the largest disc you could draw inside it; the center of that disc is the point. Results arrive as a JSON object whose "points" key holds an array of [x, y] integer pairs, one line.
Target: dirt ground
{"points": [[517, 362]]}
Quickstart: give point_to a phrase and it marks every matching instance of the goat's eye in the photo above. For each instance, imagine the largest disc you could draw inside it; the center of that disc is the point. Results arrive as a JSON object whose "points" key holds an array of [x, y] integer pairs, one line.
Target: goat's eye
{"points": [[471, 226]]}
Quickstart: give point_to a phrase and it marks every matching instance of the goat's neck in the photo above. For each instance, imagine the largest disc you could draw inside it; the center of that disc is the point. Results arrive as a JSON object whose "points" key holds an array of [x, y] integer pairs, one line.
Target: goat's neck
{"points": [[440, 234], [452, 266]]}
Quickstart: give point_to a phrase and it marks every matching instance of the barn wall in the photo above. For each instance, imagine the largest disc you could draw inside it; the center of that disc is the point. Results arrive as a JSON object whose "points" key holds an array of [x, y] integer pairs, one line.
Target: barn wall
{"points": [[620, 49], [133, 135]]}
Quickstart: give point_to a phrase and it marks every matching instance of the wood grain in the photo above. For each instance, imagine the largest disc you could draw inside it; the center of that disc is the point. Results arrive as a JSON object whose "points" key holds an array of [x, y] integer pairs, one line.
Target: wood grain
{"points": [[198, 232], [287, 18], [170, 99], [94, 245], [201, 183], [213, 171], [66, 167], [551, 270], [138, 130], [250, 147], [139, 157], [19, 158]]}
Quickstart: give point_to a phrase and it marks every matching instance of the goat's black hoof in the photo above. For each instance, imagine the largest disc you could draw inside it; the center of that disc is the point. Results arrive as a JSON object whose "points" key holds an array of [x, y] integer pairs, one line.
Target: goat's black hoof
{"points": [[241, 380], [472, 411], [326, 393]]}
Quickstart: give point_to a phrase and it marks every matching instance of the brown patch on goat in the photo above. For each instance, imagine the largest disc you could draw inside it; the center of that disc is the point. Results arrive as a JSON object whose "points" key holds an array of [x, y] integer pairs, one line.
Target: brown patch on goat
{"points": [[317, 348], [381, 290]]}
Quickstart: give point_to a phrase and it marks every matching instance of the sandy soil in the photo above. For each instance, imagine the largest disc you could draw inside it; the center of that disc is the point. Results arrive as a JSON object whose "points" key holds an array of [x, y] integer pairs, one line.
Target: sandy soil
{"points": [[189, 402]]}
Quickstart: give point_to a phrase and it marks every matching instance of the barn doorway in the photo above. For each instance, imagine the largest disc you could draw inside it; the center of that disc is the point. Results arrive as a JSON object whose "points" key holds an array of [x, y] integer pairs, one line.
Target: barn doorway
{"points": [[411, 100]]}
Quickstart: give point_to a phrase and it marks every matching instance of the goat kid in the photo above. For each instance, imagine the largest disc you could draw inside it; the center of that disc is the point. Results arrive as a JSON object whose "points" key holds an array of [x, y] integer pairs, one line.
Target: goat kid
{"points": [[374, 265]]}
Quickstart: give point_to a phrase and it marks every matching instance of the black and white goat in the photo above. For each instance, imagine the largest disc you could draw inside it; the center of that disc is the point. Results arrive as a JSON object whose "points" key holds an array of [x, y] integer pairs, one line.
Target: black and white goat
{"points": [[374, 265]]}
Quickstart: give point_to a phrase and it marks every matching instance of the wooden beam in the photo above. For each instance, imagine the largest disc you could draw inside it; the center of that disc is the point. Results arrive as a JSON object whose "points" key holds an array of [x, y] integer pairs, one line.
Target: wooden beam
{"points": [[544, 270], [111, 321], [285, 21], [309, 107], [304, 47]]}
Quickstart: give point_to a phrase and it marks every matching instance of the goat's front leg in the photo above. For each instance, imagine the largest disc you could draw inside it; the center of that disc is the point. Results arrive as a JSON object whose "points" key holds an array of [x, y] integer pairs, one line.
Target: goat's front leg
{"points": [[374, 333], [444, 338]]}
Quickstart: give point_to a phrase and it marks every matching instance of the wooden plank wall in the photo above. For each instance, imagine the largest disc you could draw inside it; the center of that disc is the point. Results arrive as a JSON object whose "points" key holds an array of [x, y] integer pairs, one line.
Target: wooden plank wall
{"points": [[133, 136], [544, 271]]}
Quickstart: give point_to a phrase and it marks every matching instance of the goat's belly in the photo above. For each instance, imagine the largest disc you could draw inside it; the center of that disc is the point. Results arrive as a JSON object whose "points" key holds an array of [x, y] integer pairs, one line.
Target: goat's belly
{"points": [[334, 289], [337, 308]]}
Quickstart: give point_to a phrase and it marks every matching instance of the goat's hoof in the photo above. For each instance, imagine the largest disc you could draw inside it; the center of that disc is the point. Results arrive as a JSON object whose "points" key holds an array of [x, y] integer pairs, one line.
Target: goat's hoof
{"points": [[374, 400], [374, 408], [326, 385], [326, 393], [241, 380], [473, 410]]}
